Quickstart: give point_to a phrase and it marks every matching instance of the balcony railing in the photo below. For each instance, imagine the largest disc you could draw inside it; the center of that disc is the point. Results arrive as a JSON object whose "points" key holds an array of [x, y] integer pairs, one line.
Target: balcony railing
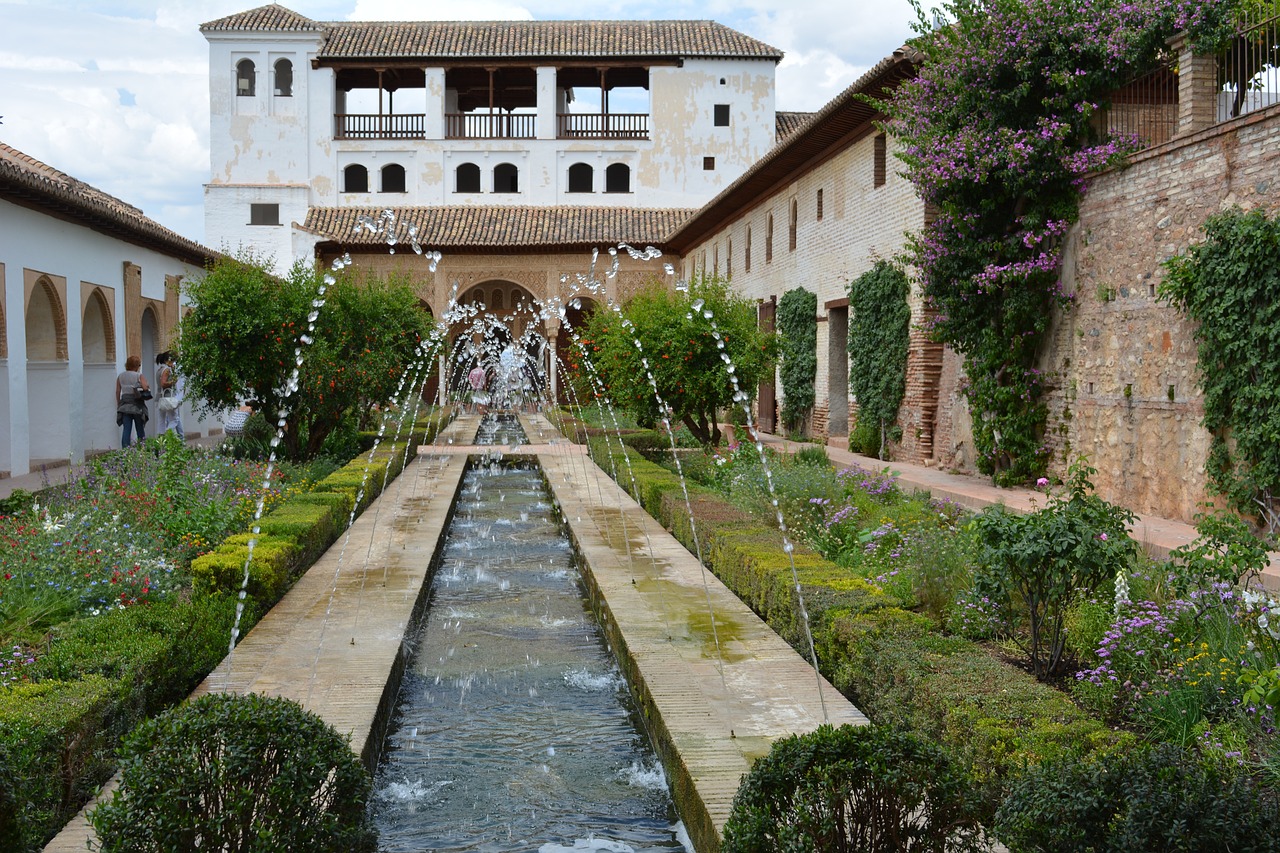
{"points": [[490, 126], [358, 126], [603, 126]]}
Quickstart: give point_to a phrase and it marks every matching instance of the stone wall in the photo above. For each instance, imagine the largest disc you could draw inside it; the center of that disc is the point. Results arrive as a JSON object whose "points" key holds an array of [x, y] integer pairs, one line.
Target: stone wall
{"points": [[1126, 393]]}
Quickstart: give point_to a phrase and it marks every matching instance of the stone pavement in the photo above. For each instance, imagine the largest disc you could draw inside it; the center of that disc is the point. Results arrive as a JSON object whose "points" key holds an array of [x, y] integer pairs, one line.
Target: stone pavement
{"points": [[1158, 536]]}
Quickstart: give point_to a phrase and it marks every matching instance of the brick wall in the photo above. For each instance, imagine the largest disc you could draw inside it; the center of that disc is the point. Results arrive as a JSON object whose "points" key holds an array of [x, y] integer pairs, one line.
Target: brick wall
{"points": [[1124, 363], [861, 223]]}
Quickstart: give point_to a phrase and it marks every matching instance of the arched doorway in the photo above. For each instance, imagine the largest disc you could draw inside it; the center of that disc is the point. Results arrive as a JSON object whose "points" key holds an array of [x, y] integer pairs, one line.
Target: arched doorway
{"points": [[577, 312], [48, 377], [98, 352], [151, 347], [505, 335]]}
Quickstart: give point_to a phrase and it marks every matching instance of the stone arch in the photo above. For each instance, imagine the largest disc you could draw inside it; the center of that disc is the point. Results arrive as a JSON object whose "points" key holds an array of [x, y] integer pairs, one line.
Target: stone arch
{"points": [[46, 323], [97, 330], [577, 311]]}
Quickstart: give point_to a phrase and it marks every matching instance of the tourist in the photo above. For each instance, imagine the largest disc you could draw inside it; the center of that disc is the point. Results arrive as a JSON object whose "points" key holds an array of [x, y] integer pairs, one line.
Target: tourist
{"points": [[479, 399], [170, 388], [131, 402]]}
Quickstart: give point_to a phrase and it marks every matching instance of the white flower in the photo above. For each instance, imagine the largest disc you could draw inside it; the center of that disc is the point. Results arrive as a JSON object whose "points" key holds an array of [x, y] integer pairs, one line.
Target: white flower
{"points": [[1122, 590]]}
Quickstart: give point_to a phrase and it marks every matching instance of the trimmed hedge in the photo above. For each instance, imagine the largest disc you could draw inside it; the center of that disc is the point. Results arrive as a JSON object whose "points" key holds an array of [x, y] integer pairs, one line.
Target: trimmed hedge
{"points": [[994, 717], [56, 746], [102, 676]]}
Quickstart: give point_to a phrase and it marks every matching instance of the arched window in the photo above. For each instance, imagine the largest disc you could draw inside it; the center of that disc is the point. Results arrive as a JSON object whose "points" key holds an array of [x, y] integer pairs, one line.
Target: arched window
{"points": [[284, 78], [393, 178], [746, 256], [46, 324], [768, 239], [468, 178], [581, 178], [355, 179], [506, 178], [97, 342], [793, 226], [728, 259], [246, 78], [495, 301], [617, 178]]}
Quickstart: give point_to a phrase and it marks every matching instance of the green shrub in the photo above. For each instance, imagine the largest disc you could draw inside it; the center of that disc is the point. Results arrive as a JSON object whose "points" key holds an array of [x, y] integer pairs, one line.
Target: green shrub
{"points": [[1042, 559], [222, 571], [1163, 798], [159, 652], [853, 789], [812, 454], [238, 774], [312, 525], [55, 749]]}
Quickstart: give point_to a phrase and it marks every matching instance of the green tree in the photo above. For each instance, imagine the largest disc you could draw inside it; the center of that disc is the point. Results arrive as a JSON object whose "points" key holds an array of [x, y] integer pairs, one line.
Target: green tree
{"points": [[879, 339], [681, 351], [238, 345], [798, 340]]}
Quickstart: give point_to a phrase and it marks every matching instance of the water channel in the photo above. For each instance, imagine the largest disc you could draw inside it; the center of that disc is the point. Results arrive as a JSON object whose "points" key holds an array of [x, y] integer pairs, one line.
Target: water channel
{"points": [[514, 730]]}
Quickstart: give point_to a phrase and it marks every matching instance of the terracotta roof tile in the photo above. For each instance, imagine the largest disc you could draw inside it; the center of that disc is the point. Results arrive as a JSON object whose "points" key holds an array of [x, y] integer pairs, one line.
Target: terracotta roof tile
{"points": [[26, 181], [506, 39], [788, 123], [512, 39], [272, 17], [501, 227]]}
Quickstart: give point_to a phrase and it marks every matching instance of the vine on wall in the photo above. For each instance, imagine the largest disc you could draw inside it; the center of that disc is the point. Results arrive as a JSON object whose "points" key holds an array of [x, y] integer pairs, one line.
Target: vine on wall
{"points": [[1230, 286], [879, 339], [798, 340], [996, 134]]}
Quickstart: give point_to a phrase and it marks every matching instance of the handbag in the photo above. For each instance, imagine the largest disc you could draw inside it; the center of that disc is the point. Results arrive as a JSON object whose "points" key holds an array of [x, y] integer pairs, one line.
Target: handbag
{"points": [[143, 394], [234, 424], [166, 403]]}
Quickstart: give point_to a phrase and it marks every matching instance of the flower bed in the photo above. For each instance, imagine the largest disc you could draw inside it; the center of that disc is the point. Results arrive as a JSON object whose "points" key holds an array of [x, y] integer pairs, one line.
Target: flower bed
{"points": [[103, 621]]}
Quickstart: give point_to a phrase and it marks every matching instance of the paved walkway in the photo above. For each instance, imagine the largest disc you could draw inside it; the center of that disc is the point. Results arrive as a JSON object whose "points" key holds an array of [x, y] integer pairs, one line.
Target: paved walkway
{"points": [[716, 692], [1157, 535]]}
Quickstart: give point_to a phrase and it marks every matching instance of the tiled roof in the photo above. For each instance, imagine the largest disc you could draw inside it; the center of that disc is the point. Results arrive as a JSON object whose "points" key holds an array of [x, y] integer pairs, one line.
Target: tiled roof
{"points": [[788, 123], [504, 39], [501, 227], [465, 39], [26, 181], [271, 18]]}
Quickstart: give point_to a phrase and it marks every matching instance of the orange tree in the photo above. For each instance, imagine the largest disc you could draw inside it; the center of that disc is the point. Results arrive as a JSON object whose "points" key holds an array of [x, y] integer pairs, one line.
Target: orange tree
{"points": [[679, 353], [238, 345]]}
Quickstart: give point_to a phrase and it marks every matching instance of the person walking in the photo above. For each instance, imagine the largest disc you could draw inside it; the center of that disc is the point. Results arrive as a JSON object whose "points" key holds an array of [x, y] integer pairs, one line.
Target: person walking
{"points": [[132, 393], [479, 399], [170, 391]]}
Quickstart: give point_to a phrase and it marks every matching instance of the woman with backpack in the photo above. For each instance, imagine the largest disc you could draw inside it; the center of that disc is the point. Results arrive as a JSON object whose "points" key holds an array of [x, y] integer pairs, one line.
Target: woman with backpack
{"points": [[132, 393]]}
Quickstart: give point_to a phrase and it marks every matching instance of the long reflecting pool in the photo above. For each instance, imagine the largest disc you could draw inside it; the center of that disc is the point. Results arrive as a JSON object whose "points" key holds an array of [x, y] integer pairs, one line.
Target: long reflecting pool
{"points": [[514, 730]]}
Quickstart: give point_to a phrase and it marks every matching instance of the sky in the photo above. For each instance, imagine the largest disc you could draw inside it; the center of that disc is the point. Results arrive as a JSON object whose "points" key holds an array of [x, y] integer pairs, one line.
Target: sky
{"points": [[116, 93]]}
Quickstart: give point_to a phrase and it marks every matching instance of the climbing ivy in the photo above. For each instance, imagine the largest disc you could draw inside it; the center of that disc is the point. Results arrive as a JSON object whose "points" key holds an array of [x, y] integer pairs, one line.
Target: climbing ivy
{"points": [[997, 136], [1230, 286], [798, 340], [879, 332]]}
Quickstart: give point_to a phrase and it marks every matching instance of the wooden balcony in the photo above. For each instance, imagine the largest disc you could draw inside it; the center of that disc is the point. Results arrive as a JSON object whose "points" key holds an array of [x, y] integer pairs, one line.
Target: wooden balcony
{"points": [[490, 126], [603, 126], [360, 126]]}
